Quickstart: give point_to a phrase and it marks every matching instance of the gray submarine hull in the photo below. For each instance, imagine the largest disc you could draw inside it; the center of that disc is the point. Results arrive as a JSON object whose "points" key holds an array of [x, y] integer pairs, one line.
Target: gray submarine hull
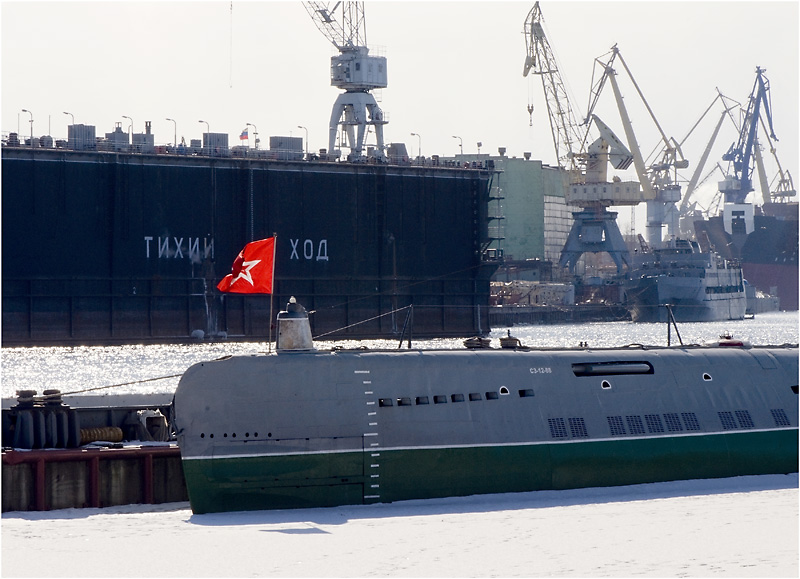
{"points": [[312, 428]]}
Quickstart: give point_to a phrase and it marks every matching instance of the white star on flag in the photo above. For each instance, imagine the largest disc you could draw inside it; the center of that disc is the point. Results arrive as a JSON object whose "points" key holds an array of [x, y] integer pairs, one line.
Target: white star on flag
{"points": [[245, 273], [252, 270]]}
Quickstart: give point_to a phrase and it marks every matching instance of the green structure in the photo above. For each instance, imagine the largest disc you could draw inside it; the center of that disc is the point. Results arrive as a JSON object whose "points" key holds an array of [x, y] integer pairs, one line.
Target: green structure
{"points": [[531, 218]]}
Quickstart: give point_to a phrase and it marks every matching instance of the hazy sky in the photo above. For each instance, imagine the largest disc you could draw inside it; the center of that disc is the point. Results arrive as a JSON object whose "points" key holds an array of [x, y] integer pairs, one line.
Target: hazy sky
{"points": [[455, 68]]}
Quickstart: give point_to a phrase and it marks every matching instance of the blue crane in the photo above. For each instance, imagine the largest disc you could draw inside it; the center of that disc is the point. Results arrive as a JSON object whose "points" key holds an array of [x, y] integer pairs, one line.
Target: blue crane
{"points": [[736, 187]]}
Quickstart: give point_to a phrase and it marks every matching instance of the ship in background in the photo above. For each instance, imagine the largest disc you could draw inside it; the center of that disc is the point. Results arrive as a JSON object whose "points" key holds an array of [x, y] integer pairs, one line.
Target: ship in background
{"points": [[764, 239], [698, 286]]}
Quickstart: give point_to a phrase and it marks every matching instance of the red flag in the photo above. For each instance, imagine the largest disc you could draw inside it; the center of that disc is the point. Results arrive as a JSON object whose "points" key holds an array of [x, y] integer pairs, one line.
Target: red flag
{"points": [[253, 269]]}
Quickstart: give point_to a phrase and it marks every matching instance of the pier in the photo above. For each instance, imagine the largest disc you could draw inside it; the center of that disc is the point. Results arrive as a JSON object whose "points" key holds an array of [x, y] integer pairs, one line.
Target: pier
{"points": [[43, 480], [505, 316]]}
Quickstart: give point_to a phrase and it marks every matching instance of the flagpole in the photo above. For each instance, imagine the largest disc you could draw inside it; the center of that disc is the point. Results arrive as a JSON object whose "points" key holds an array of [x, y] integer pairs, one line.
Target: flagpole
{"points": [[272, 293]]}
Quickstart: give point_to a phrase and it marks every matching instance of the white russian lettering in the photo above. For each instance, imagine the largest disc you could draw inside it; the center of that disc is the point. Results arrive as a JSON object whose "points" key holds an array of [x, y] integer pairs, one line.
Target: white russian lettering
{"points": [[322, 252], [294, 243], [308, 249], [194, 249]]}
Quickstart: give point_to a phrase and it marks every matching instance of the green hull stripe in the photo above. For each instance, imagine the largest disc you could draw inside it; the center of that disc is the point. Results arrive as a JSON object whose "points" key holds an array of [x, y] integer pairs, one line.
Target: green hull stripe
{"points": [[488, 445], [319, 480]]}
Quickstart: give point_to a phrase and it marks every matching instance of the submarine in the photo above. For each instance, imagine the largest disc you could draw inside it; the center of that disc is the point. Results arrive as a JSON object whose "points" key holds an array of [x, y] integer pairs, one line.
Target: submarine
{"points": [[301, 427]]}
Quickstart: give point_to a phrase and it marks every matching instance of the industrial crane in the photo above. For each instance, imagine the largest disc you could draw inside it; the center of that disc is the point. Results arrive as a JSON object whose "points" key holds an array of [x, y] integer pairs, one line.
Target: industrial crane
{"points": [[737, 185], [743, 156], [779, 190], [687, 209], [659, 179], [355, 71], [584, 168]]}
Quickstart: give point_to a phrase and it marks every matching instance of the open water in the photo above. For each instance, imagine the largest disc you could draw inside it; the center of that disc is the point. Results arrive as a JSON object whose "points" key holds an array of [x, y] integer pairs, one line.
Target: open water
{"points": [[72, 369]]}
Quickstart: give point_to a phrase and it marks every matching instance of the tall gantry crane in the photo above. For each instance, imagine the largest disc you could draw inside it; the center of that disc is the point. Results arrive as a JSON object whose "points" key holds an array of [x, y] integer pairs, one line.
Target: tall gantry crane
{"points": [[659, 180], [779, 190], [742, 154], [585, 169], [355, 71]]}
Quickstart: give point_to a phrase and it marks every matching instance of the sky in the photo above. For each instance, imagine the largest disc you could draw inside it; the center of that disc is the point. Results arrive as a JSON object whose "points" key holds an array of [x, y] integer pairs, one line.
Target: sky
{"points": [[454, 70], [734, 527]]}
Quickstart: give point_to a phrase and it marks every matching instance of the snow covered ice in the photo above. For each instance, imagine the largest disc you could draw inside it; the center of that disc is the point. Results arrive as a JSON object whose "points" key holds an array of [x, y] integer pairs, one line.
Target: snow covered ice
{"points": [[735, 527]]}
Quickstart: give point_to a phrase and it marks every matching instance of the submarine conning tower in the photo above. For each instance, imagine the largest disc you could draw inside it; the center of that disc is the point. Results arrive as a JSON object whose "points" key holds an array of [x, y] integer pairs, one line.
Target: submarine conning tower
{"points": [[294, 331]]}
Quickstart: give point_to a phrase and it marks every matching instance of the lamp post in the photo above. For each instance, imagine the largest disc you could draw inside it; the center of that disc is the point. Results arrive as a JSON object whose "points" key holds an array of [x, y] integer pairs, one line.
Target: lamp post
{"points": [[130, 128], [460, 143], [72, 145], [306, 130], [175, 137], [419, 139], [208, 137], [255, 132], [31, 121]]}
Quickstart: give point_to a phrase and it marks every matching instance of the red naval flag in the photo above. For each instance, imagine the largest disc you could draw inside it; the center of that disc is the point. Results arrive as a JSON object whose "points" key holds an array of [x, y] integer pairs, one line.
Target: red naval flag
{"points": [[253, 269]]}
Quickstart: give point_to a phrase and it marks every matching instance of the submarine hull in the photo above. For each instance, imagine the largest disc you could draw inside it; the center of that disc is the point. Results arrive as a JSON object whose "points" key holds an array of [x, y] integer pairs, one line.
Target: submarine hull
{"points": [[352, 427]]}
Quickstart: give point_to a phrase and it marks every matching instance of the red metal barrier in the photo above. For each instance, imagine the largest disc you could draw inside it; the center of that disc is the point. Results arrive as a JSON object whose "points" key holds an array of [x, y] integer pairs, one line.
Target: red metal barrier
{"points": [[39, 458]]}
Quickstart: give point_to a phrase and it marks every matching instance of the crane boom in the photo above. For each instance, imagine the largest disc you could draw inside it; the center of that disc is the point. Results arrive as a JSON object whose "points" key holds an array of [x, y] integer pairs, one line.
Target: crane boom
{"points": [[693, 181], [785, 186], [345, 35], [638, 162], [540, 59]]}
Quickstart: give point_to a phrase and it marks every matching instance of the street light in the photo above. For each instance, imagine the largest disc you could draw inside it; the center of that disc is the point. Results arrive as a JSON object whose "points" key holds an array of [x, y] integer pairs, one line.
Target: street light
{"points": [[208, 136], [31, 121], [419, 152], [306, 130], [175, 137], [255, 132], [70, 114], [460, 143], [130, 128]]}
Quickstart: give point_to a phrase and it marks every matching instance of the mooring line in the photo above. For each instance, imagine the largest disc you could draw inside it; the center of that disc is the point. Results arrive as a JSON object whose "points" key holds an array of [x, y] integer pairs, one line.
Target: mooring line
{"points": [[123, 384], [362, 321]]}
